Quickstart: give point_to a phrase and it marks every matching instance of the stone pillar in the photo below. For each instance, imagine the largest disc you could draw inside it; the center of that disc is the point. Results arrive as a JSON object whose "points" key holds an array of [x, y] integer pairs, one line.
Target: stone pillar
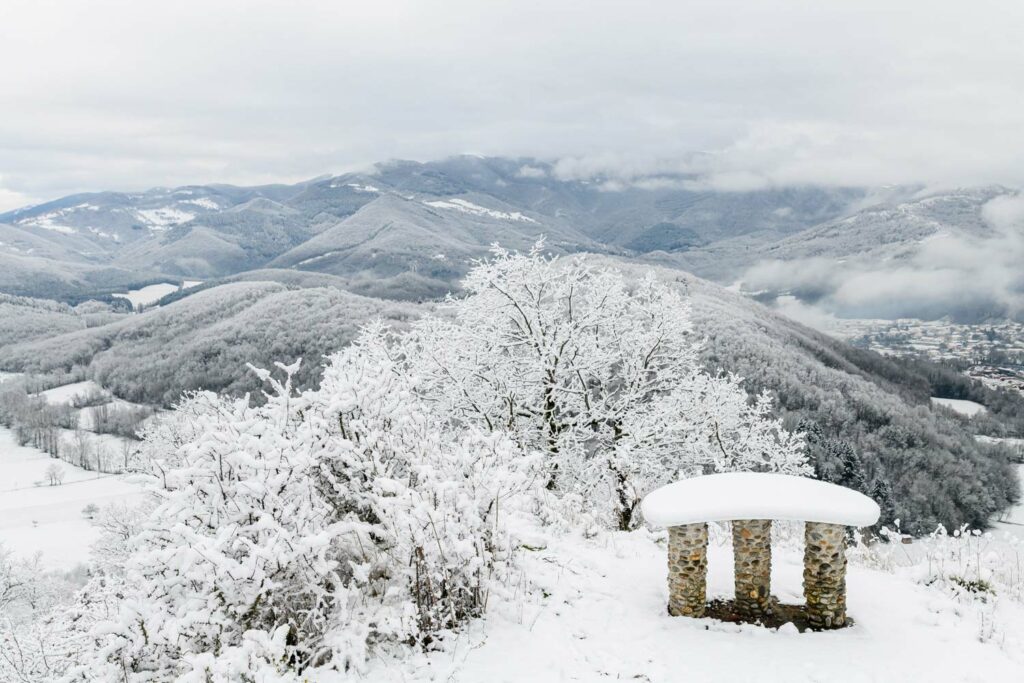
{"points": [[687, 570], [752, 549], [825, 574]]}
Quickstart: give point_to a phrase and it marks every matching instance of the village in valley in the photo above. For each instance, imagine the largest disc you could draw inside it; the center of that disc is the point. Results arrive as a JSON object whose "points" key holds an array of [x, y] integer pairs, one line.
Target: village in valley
{"points": [[992, 352]]}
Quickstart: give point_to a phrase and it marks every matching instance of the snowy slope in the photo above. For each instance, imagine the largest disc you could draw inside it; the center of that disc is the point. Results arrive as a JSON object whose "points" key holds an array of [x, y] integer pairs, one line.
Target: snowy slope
{"points": [[48, 519]]}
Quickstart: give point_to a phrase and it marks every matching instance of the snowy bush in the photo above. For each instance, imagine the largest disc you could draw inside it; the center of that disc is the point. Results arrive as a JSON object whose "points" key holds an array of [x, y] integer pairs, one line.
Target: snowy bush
{"points": [[310, 530]]}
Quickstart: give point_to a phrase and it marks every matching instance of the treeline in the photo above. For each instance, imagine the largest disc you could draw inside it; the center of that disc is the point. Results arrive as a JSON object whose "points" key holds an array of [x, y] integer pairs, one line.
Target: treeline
{"points": [[56, 428], [918, 379], [205, 341]]}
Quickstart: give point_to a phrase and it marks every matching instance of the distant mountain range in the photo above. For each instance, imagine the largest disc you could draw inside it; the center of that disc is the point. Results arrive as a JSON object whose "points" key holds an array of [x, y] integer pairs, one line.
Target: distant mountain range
{"points": [[409, 230], [294, 271]]}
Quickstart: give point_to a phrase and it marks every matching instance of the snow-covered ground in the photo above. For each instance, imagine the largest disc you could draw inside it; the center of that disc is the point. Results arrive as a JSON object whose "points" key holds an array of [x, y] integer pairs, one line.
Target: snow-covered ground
{"points": [[149, 295], [603, 617], [968, 408], [464, 206], [48, 519], [66, 393]]}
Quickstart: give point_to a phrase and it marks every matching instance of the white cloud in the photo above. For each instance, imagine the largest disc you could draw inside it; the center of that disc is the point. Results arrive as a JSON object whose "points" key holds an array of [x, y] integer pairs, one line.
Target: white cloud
{"points": [[9, 199], [954, 273], [733, 94]]}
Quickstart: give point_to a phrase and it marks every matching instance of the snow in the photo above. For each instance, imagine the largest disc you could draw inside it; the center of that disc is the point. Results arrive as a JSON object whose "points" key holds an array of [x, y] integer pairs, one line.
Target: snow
{"points": [[363, 188], [164, 216], [203, 202], [48, 519], [968, 408], [66, 393], [756, 495], [100, 233], [314, 259], [477, 210], [47, 221], [50, 220], [602, 617], [150, 294]]}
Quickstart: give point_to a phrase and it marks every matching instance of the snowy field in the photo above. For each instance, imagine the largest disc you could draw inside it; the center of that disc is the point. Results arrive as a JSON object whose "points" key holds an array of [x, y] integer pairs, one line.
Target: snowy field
{"points": [[66, 393], [147, 296], [48, 519], [968, 408], [604, 619]]}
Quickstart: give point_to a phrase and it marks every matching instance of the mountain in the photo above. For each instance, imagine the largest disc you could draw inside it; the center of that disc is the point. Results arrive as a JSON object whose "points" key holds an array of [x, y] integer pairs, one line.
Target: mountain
{"points": [[403, 229], [393, 241], [410, 230]]}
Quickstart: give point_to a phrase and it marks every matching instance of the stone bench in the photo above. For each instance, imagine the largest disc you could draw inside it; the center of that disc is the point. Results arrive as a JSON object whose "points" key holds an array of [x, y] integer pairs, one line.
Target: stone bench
{"points": [[750, 501]]}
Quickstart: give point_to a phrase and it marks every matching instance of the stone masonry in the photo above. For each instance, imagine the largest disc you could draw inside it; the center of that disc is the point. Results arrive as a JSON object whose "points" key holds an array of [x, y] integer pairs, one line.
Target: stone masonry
{"points": [[825, 575], [687, 569], [751, 545]]}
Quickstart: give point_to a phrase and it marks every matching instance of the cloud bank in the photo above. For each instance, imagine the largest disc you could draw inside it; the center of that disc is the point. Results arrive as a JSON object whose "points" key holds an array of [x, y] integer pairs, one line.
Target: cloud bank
{"points": [[735, 94], [967, 277]]}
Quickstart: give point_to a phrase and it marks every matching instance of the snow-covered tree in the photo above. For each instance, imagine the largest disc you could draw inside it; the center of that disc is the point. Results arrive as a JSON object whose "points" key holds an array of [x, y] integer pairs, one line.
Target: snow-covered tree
{"points": [[36, 640], [598, 373]]}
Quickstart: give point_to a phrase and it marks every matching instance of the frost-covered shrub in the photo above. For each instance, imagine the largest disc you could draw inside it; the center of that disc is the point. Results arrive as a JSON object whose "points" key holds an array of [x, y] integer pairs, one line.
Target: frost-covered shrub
{"points": [[423, 504], [309, 531], [36, 642]]}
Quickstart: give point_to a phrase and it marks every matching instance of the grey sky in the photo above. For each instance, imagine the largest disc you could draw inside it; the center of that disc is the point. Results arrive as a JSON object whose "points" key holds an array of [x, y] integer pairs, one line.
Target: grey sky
{"points": [[123, 95]]}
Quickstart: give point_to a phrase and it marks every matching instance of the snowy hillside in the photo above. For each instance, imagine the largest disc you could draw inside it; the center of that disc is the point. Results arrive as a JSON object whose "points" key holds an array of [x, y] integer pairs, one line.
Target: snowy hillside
{"points": [[36, 517]]}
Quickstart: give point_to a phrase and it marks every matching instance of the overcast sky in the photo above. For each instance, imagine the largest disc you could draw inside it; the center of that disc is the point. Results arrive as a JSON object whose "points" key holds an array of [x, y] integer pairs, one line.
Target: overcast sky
{"points": [[124, 95]]}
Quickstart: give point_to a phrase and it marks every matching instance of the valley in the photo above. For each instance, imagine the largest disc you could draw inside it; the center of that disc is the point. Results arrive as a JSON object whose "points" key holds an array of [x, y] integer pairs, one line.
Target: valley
{"points": [[991, 352], [52, 520]]}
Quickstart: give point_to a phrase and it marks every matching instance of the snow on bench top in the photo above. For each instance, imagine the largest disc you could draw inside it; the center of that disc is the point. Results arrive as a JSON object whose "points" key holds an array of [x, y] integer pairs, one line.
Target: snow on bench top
{"points": [[756, 495]]}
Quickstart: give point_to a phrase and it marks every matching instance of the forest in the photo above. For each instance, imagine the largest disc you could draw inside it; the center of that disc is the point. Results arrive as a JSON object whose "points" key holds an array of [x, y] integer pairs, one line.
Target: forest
{"points": [[867, 418]]}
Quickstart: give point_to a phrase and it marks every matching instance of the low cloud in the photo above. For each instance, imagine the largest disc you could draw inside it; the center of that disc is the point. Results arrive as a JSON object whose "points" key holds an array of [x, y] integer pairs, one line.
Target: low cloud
{"points": [[964, 276], [532, 172], [10, 199]]}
